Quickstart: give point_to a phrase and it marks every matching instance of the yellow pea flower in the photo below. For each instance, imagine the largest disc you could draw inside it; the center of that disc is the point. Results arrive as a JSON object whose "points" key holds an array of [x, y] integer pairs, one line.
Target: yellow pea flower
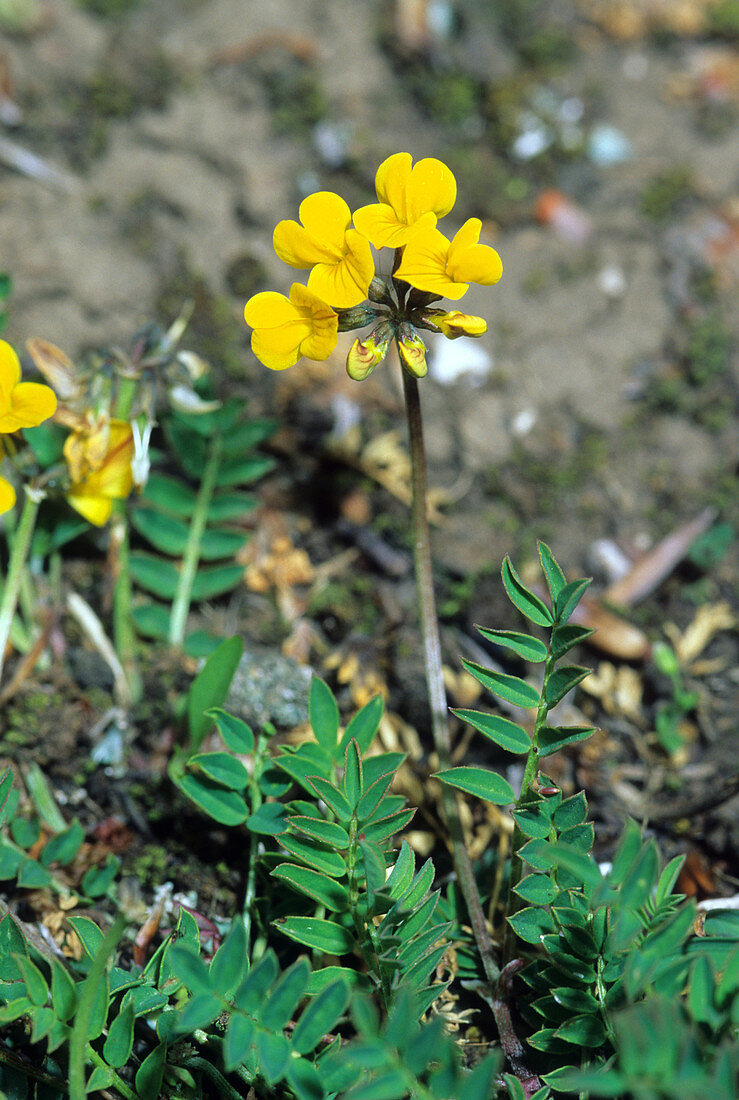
{"points": [[287, 328], [411, 199], [432, 263], [456, 324], [22, 404], [7, 496], [100, 467], [340, 257]]}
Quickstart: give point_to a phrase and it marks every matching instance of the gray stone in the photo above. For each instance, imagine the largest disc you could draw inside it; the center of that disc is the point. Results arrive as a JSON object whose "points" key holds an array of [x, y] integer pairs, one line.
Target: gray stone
{"points": [[268, 687]]}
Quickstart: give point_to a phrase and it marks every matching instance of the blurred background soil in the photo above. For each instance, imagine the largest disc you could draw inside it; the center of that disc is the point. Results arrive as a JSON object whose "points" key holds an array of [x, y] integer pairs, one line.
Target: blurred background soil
{"points": [[596, 140]]}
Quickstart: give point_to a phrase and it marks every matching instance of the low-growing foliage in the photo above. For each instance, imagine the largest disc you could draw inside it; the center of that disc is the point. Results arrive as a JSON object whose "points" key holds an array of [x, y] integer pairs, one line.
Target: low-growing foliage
{"points": [[622, 990], [188, 518]]}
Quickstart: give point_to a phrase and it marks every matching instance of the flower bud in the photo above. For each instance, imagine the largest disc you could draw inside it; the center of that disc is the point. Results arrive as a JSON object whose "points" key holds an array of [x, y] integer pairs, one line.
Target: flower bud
{"points": [[379, 291], [412, 350], [457, 324], [364, 355], [356, 317]]}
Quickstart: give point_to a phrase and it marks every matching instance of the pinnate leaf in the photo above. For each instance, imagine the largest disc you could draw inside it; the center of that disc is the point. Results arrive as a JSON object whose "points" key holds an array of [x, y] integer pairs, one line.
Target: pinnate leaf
{"points": [[364, 725], [234, 731], [322, 935], [226, 806], [353, 783], [320, 1016], [210, 687], [285, 996], [222, 768], [553, 574], [479, 782], [562, 680], [320, 887], [315, 855], [568, 599], [508, 735], [524, 645], [323, 713], [511, 688], [325, 832], [554, 738], [531, 923], [521, 597]]}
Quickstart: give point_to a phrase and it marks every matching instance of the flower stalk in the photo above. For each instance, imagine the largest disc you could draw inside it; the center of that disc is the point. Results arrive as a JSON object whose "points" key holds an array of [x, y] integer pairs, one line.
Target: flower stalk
{"points": [[435, 676], [191, 555], [17, 565]]}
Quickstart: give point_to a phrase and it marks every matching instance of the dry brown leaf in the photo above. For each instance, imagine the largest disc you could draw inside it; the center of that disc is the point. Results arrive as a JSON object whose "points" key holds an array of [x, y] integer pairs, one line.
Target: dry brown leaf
{"points": [[709, 620]]}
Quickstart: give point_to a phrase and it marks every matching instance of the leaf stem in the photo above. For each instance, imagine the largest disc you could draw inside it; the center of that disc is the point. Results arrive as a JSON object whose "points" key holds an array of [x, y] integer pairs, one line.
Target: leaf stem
{"points": [[17, 565], [78, 1040], [434, 674], [255, 792], [124, 635], [191, 556]]}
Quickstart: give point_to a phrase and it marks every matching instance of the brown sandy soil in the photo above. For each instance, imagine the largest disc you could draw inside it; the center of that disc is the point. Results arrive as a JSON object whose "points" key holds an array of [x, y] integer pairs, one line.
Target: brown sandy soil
{"points": [[185, 129]]}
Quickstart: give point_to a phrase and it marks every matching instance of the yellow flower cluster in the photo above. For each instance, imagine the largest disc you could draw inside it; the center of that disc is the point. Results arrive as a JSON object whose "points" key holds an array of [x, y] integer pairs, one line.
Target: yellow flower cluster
{"points": [[336, 248], [22, 405]]}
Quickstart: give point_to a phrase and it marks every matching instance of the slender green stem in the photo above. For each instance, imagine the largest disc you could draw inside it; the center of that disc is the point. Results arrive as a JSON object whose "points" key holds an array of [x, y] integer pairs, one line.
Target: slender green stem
{"points": [[117, 1082], [17, 565], [255, 793], [191, 556], [435, 677], [78, 1046], [363, 925], [124, 635]]}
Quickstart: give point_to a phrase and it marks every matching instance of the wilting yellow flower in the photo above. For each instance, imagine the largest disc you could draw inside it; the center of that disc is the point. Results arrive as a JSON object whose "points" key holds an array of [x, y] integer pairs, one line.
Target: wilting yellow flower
{"points": [[22, 404], [434, 264], [340, 257], [7, 496], [456, 324], [286, 328], [411, 199], [100, 468], [412, 351], [364, 355]]}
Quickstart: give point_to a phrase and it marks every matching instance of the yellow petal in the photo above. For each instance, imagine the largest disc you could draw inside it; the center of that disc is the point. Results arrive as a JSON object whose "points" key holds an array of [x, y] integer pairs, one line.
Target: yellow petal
{"points": [[310, 305], [95, 509], [7, 496], [424, 265], [10, 373], [412, 352], [344, 284], [270, 353], [457, 324], [278, 348], [30, 404], [326, 217], [392, 178], [380, 224], [471, 262], [295, 245], [432, 187], [319, 344], [269, 310]]}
